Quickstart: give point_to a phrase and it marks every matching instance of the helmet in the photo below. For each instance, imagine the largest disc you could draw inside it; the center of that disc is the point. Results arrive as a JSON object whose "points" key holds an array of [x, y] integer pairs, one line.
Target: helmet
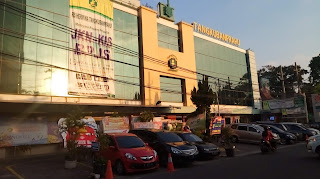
{"points": [[266, 128]]}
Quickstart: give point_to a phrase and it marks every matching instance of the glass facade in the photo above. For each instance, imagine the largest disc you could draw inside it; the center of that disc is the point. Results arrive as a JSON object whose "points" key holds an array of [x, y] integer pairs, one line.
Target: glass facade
{"points": [[171, 89], [227, 69], [168, 38], [34, 41], [127, 84]]}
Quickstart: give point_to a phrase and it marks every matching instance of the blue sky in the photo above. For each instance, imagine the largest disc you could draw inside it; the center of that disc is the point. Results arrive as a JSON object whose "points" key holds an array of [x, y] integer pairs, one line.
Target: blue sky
{"points": [[280, 32]]}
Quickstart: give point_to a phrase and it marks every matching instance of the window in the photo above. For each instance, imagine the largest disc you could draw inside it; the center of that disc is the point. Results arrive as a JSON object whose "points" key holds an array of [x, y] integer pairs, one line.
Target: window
{"points": [[169, 137], [192, 138], [129, 142], [273, 130], [251, 129], [127, 77], [294, 127], [279, 126], [229, 66], [242, 128], [171, 89], [234, 126], [168, 38]]}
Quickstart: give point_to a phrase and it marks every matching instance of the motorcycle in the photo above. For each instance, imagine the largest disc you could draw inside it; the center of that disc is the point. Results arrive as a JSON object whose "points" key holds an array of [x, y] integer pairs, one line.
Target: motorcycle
{"points": [[265, 147]]}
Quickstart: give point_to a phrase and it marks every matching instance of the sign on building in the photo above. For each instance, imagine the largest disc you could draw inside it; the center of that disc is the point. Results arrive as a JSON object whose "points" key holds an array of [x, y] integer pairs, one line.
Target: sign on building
{"points": [[91, 69]]}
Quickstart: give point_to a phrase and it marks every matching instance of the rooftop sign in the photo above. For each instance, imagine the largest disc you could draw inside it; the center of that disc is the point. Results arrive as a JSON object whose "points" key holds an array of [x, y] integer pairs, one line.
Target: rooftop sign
{"points": [[215, 34]]}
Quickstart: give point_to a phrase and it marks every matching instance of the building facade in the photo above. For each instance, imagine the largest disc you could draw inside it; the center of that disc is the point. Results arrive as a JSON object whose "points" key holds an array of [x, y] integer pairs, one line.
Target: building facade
{"points": [[111, 56]]}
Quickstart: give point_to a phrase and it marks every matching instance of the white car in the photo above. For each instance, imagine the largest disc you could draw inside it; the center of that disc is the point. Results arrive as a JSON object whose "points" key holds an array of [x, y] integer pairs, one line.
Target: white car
{"points": [[313, 144]]}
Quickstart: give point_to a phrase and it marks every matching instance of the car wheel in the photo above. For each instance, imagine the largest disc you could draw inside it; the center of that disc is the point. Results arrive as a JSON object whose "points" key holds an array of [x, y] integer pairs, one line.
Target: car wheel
{"points": [[119, 167], [234, 139]]}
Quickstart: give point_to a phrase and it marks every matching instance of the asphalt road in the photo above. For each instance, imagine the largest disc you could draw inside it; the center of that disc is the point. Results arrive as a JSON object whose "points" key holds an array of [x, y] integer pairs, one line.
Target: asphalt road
{"points": [[290, 162]]}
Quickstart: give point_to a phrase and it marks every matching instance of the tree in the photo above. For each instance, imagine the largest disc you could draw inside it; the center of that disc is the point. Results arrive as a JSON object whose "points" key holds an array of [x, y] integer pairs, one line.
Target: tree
{"points": [[314, 66], [273, 75], [146, 116], [203, 98]]}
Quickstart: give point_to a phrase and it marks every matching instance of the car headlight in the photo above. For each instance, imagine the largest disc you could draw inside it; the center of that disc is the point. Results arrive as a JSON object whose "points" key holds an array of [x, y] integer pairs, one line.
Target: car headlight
{"points": [[313, 140], [207, 150], [291, 136], [175, 150], [155, 153], [314, 132], [130, 156]]}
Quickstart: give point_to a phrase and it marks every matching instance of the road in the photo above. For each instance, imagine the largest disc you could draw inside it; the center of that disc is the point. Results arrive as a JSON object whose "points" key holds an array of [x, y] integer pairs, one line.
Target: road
{"points": [[289, 162]]}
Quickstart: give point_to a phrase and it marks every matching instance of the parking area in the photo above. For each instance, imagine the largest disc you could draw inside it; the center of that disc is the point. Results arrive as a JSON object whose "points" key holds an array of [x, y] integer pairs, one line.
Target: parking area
{"points": [[52, 166]]}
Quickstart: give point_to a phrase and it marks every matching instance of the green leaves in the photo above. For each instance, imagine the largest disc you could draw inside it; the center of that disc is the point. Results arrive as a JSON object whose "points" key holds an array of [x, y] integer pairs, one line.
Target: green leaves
{"points": [[314, 66], [146, 116]]}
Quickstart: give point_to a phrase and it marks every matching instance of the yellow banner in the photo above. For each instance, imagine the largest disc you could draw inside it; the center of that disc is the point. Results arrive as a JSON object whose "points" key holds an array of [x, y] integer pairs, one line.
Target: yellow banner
{"points": [[103, 7]]}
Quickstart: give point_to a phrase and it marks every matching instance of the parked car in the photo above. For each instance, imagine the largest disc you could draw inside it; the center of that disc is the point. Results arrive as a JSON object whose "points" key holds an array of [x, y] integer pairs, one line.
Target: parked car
{"points": [[206, 150], [314, 131], [298, 128], [295, 128], [128, 153], [313, 144], [249, 133], [285, 137], [165, 142]]}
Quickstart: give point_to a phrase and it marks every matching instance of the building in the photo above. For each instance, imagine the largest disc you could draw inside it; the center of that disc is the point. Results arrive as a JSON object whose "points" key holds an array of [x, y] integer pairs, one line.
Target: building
{"points": [[111, 56]]}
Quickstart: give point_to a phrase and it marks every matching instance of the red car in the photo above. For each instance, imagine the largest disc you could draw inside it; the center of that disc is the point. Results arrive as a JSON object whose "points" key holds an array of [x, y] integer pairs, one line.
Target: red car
{"points": [[128, 153]]}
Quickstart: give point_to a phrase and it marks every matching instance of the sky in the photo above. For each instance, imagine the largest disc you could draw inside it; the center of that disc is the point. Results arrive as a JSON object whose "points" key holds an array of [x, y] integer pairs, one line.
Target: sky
{"points": [[280, 32]]}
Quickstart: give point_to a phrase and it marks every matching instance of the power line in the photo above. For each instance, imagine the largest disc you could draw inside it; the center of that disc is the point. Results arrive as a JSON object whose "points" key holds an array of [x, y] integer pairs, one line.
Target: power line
{"points": [[122, 48], [35, 63], [70, 49]]}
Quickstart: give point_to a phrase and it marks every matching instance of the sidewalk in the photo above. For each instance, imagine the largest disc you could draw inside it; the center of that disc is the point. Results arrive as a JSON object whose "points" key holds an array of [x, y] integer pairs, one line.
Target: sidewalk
{"points": [[50, 166]]}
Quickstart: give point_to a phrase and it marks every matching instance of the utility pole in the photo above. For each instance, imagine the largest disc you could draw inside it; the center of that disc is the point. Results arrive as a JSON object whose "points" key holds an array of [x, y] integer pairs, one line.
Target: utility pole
{"points": [[282, 81], [297, 75], [217, 97]]}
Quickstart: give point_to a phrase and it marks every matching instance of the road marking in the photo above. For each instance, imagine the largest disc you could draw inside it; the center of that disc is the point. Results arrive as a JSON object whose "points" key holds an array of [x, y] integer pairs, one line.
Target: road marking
{"points": [[14, 172]]}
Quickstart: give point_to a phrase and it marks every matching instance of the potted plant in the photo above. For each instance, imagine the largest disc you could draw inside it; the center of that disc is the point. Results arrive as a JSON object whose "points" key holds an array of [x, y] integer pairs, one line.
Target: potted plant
{"points": [[71, 126], [226, 134], [99, 162], [146, 116]]}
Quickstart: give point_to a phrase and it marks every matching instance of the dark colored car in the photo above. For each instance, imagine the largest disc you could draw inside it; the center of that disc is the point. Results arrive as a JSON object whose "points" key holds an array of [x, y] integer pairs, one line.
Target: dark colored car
{"points": [[128, 153], [298, 128], [206, 150], [165, 142], [295, 128], [285, 137]]}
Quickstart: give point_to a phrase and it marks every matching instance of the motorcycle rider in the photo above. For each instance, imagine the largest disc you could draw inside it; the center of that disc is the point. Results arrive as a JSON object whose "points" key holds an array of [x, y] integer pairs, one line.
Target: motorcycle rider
{"points": [[267, 136]]}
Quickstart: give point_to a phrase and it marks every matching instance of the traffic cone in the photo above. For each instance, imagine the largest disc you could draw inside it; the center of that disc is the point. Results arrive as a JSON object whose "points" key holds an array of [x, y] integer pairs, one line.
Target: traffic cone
{"points": [[170, 163], [109, 174]]}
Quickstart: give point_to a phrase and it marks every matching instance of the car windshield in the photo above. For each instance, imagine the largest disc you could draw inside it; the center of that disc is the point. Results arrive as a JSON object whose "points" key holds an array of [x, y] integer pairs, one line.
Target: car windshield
{"points": [[277, 129], [169, 137], [129, 142], [191, 137]]}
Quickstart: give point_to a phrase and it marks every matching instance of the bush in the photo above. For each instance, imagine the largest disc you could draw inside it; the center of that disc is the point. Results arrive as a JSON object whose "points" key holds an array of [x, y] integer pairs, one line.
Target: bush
{"points": [[227, 134], [146, 116]]}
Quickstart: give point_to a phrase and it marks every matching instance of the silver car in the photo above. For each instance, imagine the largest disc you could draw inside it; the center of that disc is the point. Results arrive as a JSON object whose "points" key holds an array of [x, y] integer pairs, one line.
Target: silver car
{"points": [[252, 133]]}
